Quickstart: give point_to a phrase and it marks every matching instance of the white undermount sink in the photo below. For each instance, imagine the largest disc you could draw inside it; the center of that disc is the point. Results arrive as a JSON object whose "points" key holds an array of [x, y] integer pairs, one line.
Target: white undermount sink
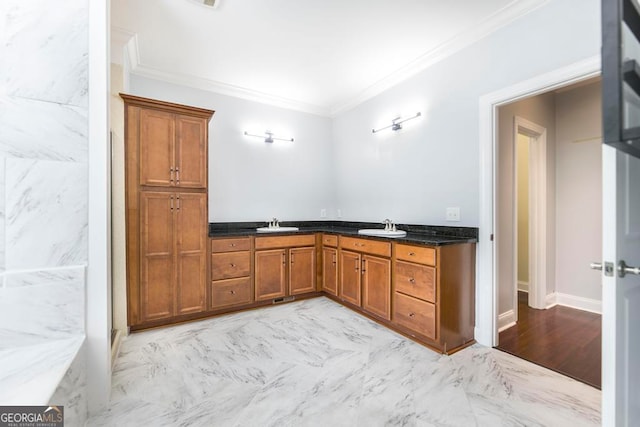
{"points": [[382, 233], [276, 229]]}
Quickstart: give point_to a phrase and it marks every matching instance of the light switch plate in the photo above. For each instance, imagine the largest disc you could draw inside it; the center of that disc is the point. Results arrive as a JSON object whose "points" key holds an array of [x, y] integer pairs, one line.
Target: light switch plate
{"points": [[453, 214], [323, 213]]}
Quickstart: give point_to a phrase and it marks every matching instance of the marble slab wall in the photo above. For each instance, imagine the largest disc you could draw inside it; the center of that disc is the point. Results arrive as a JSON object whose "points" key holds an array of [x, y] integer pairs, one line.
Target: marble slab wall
{"points": [[43, 172], [72, 392]]}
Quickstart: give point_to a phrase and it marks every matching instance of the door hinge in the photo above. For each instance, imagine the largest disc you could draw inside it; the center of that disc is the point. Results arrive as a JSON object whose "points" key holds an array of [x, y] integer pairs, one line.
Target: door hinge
{"points": [[491, 237]]}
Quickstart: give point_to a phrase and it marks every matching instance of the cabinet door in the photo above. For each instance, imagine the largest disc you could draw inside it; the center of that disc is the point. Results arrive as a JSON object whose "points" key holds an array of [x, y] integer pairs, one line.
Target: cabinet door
{"points": [[191, 226], [330, 270], [157, 136], [302, 270], [376, 286], [157, 249], [270, 274], [350, 277], [191, 152]]}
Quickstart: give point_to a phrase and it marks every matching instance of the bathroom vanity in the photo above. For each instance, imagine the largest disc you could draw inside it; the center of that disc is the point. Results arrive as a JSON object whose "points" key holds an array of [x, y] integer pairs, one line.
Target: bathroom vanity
{"points": [[416, 280]]}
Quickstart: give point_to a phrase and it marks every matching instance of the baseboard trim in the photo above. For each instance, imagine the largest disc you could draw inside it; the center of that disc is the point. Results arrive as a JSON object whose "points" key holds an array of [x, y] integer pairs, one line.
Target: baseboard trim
{"points": [[579, 303], [506, 320], [523, 286]]}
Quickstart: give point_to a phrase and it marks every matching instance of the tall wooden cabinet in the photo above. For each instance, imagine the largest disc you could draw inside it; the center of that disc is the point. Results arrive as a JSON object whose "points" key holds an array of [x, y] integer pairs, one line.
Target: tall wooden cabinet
{"points": [[166, 210]]}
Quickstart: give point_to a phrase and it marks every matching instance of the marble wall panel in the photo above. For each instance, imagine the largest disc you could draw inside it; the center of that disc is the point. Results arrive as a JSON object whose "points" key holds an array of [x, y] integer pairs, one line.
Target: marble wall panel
{"points": [[72, 392], [2, 213], [46, 214], [42, 305], [42, 130], [45, 50]]}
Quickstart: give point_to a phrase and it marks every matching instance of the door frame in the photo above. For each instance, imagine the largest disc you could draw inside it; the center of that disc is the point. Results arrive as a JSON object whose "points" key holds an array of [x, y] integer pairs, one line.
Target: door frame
{"points": [[486, 331], [537, 212]]}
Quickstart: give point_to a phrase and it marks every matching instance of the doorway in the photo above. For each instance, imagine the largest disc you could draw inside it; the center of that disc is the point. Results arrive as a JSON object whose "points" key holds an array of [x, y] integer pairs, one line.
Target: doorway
{"points": [[548, 205]]}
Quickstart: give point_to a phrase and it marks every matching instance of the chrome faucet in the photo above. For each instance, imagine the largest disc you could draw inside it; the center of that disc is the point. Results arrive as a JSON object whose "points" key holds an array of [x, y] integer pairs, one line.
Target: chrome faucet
{"points": [[387, 224], [275, 223]]}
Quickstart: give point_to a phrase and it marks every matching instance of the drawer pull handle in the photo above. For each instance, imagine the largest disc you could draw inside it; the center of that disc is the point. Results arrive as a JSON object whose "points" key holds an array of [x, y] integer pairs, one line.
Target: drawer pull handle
{"points": [[232, 292], [412, 314], [412, 254], [233, 265], [412, 280], [233, 245]]}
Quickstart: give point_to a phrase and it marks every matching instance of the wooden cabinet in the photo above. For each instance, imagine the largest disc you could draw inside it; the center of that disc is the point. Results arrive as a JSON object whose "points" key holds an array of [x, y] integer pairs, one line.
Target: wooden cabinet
{"points": [[330, 270], [157, 256], [231, 283], [350, 280], [365, 275], [434, 295], [166, 211], [302, 270], [173, 254], [173, 149], [284, 265], [271, 274], [330, 264], [376, 286]]}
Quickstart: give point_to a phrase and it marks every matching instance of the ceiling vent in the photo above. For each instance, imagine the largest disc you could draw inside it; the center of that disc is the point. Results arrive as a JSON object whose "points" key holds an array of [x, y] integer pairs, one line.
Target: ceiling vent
{"points": [[209, 3]]}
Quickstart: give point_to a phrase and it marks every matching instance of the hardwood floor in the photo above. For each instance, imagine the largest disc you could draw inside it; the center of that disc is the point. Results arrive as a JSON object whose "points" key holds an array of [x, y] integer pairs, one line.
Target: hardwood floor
{"points": [[560, 338]]}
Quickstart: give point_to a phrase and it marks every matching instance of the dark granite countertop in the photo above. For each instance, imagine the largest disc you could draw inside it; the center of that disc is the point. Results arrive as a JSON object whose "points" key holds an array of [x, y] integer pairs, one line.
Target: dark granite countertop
{"points": [[420, 234]]}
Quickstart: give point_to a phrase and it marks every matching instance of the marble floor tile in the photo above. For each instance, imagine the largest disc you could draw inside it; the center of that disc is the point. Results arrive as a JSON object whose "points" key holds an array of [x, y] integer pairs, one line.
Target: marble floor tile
{"points": [[316, 363]]}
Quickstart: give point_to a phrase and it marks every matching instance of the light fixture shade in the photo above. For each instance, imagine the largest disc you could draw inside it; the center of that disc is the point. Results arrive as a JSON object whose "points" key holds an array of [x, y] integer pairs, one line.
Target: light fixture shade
{"points": [[396, 124], [268, 137]]}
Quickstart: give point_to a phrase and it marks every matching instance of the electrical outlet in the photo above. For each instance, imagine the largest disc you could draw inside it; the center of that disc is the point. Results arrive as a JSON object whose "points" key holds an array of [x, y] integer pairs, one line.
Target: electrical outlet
{"points": [[323, 213], [453, 214]]}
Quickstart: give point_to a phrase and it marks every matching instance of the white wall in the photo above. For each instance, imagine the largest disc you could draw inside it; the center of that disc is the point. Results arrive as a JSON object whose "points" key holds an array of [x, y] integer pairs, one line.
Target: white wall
{"points": [[579, 191], [433, 164], [118, 242], [541, 111], [250, 180], [522, 167]]}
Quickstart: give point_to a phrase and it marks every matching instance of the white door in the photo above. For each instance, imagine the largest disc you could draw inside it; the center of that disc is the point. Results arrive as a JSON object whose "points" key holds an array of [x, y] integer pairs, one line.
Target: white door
{"points": [[620, 295]]}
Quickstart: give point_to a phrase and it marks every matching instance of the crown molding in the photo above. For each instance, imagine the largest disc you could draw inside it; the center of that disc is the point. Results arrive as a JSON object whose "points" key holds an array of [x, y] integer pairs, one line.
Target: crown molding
{"points": [[229, 90], [514, 10], [129, 42], [124, 45]]}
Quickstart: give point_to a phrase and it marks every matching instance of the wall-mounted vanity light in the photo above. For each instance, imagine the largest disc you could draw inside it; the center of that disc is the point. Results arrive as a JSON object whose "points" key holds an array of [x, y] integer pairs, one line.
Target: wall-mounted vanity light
{"points": [[268, 137], [396, 124]]}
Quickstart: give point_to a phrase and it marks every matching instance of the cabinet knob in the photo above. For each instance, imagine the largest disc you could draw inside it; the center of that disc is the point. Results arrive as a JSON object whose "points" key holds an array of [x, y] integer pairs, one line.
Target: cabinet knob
{"points": [[412, 314], [412, 280], [412, 254], [233, 265], [233, 245], [232, 292]]}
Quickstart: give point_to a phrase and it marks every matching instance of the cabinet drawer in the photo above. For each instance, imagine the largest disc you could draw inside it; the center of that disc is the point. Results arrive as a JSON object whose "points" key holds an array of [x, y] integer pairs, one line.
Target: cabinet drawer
{"points": [[419, 254], [230, 265], [230, 245], [285, 241], [415, 314], [367, 246], [230, 292], [330, 240], [416, 280]]}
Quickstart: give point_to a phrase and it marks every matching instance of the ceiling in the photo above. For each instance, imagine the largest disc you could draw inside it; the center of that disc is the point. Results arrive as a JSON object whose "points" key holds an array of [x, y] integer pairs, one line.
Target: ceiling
{"points": [[322, 57]]}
